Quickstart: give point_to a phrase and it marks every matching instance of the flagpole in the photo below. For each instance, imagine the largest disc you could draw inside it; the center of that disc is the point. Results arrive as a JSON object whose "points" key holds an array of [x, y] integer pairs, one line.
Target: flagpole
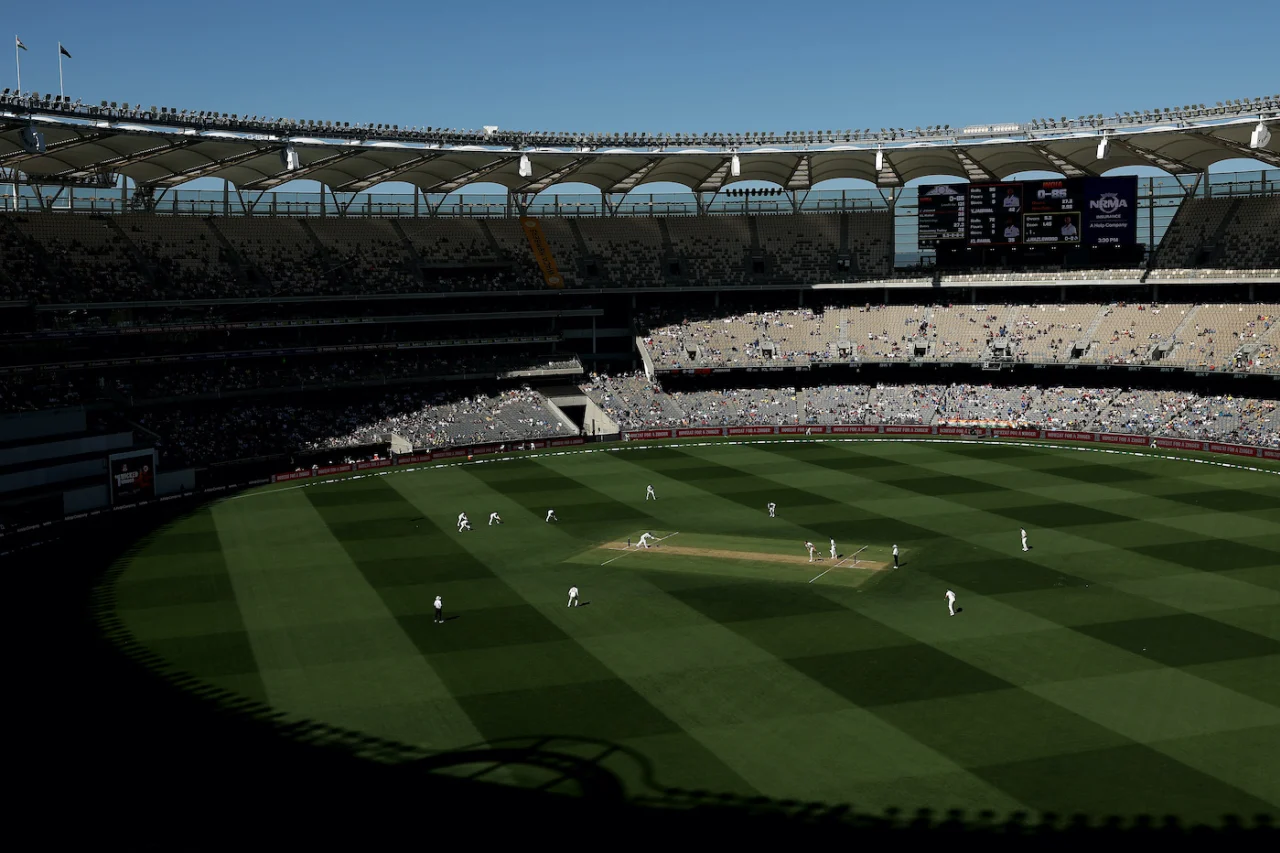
{"points": [[17, 58], [60, 68]]}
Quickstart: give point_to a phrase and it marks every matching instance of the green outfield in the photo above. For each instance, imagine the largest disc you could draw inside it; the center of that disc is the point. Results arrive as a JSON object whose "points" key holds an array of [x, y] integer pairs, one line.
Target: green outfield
{"points": [[1129, 663]]}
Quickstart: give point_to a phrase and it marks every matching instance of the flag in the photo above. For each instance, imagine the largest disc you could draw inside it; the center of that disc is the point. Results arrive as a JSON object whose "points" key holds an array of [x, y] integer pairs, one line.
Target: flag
{"points": [[62, 50], [18, 41]]}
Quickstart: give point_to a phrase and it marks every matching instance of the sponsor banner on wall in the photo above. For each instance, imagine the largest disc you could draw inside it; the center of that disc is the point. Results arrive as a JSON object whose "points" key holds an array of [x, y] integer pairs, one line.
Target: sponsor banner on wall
{"points": [[291, 475], [1233, 449], [133, 476], [962, 430], [1016, 433], [1267, 453], [1069, 435], [643, 434], [452, 453], [413, 458], [326, 470], [1112, 438], [803, 430], [486, 449], [566, 442], [376, 463], [751, 430], [858, 429], [697, 431], [908, 430], [1179, 444]]}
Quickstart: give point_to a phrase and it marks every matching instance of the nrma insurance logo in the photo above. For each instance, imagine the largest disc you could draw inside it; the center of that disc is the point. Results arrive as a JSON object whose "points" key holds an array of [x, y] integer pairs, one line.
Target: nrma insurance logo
{"points": [[1109, 203]]}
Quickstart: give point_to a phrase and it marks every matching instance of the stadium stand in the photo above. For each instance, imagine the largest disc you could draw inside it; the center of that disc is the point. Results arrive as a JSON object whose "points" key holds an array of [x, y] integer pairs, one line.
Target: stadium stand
{"points": [[1184, 334]]}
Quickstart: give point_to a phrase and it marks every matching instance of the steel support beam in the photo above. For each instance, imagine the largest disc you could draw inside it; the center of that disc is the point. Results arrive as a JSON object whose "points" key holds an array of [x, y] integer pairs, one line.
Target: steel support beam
{"points": [[214, 166], [972, 168], [114, 164], [1066, 166], [552, 178], [387, 174], [714, 181], [1169, 164], [470, 177], [54, 149], [799, 177], [888, 176], [1244, 151], [633, 180], [285, 176]]}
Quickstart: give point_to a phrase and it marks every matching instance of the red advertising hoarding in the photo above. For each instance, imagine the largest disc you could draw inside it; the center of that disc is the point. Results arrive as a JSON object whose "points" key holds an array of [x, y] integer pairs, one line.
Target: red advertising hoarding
{"points": [[1179, 444], [1016, 433], [376, 463], [643, 434], [693, 432], [908, 430], [751, 430], [1113, 438], [803, 430], [961, 430], [860, 429], [1233, 449], [1069, 435]]}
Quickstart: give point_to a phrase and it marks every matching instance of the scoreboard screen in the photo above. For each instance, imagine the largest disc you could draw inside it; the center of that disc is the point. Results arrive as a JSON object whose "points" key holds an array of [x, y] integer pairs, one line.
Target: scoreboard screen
{"points": [[941, 213], [1059, 211], [995, 214]]}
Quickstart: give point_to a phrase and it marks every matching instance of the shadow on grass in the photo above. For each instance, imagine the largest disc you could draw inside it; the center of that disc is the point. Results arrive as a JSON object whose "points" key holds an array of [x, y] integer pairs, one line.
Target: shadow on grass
{"points": [[162, 757]]}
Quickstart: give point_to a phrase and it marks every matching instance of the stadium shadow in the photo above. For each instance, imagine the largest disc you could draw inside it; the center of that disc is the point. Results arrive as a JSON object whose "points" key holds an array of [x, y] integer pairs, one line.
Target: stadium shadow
{"points": [[173, 759]]}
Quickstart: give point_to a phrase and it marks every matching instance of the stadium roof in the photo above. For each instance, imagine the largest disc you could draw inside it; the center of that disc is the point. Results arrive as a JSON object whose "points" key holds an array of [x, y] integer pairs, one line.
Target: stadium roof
{"points": [[165, 148]]}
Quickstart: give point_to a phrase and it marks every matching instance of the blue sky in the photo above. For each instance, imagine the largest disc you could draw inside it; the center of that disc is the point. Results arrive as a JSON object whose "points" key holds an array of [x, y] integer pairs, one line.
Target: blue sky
{"points": [[657, 66]]}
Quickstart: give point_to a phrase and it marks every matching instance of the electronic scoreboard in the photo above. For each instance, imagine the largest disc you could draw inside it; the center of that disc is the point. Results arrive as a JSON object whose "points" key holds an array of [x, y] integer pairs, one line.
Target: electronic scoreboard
{"points": [[1057, 212]]}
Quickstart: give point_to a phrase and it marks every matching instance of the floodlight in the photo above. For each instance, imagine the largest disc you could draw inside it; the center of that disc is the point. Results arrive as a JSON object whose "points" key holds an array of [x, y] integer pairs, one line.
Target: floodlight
{"points": [[526, 167], [1102, 148], [735, 166], [879, 160]]}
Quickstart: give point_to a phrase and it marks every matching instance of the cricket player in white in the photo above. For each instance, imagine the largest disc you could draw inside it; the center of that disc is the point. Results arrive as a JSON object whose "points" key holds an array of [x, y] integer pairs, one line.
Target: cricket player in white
{"points": [[463, 523], [895, 556], [494, 518], [951, 603], [1024, 540], [773, 508], [648, 493], [833, 549], [551, 515], [809, 545], [644, 540], [573, 597], [439, 611]]}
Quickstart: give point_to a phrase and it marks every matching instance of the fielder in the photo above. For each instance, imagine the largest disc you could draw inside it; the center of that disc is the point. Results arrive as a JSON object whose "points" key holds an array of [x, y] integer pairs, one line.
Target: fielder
{"points": [[551, 515], [833, 549], [573, 597], [951, 603], [895, 556], [494, 518], [463, 523], [773, 508], [649, 493], [644, 540], [439, 611], [1024, 540], [809, 545]]}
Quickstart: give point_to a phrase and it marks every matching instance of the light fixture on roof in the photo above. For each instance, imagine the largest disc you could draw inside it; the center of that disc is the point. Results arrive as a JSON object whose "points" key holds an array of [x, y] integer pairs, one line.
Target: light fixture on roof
{"points": [[1261, 136], [879, 160], [735, 166], [1103, 144], [526, 167]]}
